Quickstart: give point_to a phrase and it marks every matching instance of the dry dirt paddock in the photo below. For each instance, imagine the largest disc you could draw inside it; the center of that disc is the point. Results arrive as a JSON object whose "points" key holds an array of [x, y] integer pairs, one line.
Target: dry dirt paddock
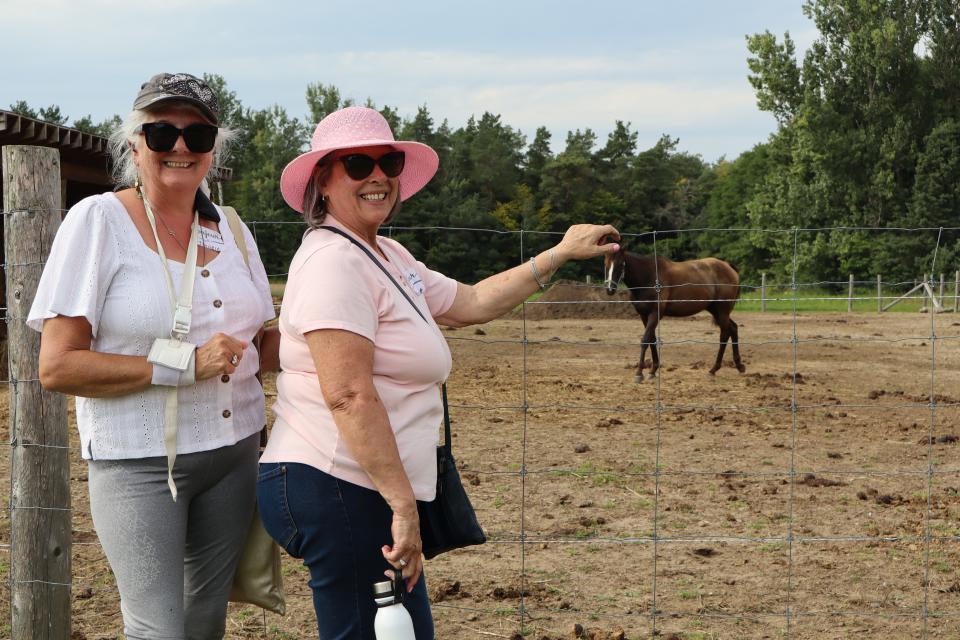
{"points": [[814, 496]]}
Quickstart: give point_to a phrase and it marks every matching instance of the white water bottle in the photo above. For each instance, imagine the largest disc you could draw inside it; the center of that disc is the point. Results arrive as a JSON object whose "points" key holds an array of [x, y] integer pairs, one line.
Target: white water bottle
{"points": [[392, 621]]}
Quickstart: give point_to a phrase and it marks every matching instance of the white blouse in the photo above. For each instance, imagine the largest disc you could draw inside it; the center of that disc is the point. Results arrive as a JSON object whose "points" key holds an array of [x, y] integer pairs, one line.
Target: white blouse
{"points": [[100, 268]]}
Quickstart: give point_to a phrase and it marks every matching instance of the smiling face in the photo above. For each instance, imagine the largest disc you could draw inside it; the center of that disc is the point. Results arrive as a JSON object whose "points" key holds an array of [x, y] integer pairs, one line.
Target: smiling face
{"points": [[178, 168], [362, 205]]}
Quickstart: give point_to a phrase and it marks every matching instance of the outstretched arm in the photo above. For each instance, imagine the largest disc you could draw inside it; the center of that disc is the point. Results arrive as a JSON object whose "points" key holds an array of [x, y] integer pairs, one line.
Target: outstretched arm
{"points": [[498, 294]]}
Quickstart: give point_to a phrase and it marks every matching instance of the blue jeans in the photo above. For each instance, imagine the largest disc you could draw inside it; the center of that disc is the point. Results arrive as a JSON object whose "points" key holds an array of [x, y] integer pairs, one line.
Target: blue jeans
{"points": [[337, 528]]}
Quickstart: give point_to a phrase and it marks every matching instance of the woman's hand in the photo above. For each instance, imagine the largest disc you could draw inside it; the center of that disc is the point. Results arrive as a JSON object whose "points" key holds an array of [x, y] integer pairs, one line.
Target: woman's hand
{"points": [[220, 354], [406, 553], [587, 241]]}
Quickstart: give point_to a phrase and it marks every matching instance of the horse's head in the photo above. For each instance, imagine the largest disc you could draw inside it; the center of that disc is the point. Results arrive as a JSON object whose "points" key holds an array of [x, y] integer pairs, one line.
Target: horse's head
{"points": [[613, 267]]}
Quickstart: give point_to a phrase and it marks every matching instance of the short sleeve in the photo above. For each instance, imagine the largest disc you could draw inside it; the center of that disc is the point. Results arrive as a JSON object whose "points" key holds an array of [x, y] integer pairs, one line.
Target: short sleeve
{"points": [[332, 289], [439, 290], [82, 262]]}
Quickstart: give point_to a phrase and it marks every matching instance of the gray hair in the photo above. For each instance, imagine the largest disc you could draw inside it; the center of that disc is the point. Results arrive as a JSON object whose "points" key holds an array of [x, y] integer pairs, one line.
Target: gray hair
{"points": [[315, 203], [125, 138]]}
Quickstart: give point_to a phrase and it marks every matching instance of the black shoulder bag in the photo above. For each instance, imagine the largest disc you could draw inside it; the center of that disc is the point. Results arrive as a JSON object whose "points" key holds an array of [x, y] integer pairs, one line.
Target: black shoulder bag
{"points": [[448, 521]]}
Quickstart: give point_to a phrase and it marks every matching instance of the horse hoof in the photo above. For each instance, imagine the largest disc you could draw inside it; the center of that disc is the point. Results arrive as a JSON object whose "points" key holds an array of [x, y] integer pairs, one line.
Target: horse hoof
{"points": [[741, 368], [638, 378], [712, 372]]}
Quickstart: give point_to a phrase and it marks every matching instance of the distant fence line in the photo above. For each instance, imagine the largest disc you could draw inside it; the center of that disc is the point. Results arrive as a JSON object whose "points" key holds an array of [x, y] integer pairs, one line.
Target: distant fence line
{"points": [[41, 580]]}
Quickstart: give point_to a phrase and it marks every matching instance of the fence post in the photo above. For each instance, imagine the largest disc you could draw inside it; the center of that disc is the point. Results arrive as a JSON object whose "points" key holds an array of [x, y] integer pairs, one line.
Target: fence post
{"points": [[763, 292], [588, 278], [850, 295], [923, 295], [40, 463], [956, 292], [942, 289], [879, 294]]}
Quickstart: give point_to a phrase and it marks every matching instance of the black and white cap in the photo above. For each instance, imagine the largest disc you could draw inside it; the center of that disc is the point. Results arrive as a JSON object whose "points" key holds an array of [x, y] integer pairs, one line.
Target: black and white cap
{"points": [[183, 87]]}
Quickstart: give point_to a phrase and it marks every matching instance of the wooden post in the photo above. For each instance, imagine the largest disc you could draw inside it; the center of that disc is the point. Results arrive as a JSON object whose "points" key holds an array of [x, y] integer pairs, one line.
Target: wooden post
{"points": [[588, 278], [879, 294], [40, 462], [923, 295], [763, 292], [942, 289], [850, 295], [956, 292]]}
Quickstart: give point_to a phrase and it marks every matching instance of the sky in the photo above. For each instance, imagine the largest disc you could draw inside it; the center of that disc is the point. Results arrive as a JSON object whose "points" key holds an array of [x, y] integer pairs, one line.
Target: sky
{"points": [[677, 68]]}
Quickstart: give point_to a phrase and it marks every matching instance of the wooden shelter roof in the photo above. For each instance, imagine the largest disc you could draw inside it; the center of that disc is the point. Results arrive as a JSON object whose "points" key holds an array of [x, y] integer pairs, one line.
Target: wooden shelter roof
{"points": [[85, 157]]}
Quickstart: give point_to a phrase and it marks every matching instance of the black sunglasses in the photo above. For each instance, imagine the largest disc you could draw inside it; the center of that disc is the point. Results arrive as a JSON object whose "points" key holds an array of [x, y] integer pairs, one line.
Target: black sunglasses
{"points": [[162, 136], [360, 165]]}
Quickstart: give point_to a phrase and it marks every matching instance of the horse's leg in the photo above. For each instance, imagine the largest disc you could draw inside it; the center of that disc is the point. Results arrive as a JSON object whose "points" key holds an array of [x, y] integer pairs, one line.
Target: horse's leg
{"points": [[648, 341], [735, 340], [724, 322], [638, 376], [654, 353]]}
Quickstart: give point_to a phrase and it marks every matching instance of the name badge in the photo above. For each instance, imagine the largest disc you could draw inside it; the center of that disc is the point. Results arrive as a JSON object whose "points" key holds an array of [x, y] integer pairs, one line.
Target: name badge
{"points": [[210, 239], [415, 281]]}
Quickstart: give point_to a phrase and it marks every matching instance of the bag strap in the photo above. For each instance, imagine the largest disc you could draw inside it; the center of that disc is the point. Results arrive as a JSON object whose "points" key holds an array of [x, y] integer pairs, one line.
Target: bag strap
{"points": [[443, 387], [233, 221]]}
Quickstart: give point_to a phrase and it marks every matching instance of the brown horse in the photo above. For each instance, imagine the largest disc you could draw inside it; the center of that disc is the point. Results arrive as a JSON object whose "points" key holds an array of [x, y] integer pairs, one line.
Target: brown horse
{"points": [[660, 287]]}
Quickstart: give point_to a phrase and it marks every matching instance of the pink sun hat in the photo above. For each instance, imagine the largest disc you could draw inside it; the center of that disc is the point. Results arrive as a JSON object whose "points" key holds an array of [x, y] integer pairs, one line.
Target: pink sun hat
{"points": [[350, 128]]}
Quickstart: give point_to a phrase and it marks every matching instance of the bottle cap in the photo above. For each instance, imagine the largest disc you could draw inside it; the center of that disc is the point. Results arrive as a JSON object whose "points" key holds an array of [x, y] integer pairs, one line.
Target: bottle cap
{"points": [[389, 592], [381, 589]]}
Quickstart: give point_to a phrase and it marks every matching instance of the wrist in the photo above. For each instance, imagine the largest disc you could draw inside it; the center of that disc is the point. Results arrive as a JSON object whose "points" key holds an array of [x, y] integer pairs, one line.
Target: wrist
{"points": [[406, 508], [170, 377]]}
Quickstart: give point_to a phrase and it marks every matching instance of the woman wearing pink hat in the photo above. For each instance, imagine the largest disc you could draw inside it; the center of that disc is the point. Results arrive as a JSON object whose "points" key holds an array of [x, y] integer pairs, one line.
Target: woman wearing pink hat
{"points": [[353, 446]]}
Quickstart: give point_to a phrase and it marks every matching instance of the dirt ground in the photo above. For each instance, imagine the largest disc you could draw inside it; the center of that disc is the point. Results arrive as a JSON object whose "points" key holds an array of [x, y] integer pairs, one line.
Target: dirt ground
{"points": [[817, 495]]}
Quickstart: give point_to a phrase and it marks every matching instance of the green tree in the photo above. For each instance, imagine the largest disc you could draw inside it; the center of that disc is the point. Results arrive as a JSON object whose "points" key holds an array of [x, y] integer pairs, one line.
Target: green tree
{"points": [[852, 120], [323, 100], [269, 140], [22, 108]]}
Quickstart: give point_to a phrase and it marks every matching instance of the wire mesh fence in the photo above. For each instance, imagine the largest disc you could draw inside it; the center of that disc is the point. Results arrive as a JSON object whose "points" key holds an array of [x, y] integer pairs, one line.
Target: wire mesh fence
{"points": [[815, 495]]}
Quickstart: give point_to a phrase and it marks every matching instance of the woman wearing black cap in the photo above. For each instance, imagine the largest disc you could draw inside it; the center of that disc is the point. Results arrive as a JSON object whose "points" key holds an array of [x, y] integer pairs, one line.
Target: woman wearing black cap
{"points": [[161, 359]]}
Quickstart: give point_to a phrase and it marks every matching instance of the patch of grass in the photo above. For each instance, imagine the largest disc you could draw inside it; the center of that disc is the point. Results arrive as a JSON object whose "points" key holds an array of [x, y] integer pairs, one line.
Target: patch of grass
{"points": [[810, 300], [686, 594]]}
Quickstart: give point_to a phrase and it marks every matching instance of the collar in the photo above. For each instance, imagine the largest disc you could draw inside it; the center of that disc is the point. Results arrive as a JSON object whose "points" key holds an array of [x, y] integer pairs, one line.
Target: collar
{"points": [[205, 207]]}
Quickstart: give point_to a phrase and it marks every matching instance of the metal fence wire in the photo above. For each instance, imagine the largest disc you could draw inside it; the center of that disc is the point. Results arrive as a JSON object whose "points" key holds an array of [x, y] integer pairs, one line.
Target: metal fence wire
{"points": [[528, 562]]}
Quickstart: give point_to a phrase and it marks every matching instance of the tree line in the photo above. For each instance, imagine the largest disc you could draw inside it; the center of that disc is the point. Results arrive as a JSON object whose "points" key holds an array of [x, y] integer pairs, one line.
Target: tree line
{"points": [[868, 136]]}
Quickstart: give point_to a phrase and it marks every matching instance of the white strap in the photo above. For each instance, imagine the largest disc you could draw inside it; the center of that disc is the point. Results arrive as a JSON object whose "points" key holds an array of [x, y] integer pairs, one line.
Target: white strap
{"points": [[182, 314], [182, 308]]}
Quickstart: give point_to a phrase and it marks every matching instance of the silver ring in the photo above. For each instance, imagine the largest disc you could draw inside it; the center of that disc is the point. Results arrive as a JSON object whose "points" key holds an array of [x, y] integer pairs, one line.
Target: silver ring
{"points": [[403, 563], [234, 360]]}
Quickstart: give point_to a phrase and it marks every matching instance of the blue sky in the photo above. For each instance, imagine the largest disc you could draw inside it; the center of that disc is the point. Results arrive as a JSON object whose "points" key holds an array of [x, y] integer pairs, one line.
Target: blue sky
{"points": [[674, 67]]}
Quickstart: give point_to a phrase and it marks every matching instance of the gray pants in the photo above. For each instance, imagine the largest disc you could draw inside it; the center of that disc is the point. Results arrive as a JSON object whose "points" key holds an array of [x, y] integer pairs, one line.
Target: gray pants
{"points": [[174, 561]]}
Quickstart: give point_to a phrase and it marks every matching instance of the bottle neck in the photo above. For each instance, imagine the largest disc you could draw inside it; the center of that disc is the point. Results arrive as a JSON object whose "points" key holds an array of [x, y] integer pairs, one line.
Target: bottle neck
{"points": [[386, 601]]}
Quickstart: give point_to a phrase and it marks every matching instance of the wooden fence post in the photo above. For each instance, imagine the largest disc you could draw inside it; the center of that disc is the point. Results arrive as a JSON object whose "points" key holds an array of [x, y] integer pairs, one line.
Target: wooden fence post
{"points": [[879, 294], [942, 289], [40, 461], [923, 295], [850, 295], [763, 292], [956, 292]]}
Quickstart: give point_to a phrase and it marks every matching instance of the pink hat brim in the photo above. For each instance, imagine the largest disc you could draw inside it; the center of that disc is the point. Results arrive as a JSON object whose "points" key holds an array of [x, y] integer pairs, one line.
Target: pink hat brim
{"points": [[420, 166]]}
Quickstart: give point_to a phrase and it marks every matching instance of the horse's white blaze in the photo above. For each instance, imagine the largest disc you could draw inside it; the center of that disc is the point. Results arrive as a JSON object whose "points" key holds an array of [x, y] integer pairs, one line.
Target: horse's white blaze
{"points": [[610, 276]]}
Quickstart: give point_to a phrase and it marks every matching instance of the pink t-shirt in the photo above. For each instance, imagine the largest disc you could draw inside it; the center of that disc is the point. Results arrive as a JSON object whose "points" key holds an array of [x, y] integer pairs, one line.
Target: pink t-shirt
{"points": [[332, 284]]}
